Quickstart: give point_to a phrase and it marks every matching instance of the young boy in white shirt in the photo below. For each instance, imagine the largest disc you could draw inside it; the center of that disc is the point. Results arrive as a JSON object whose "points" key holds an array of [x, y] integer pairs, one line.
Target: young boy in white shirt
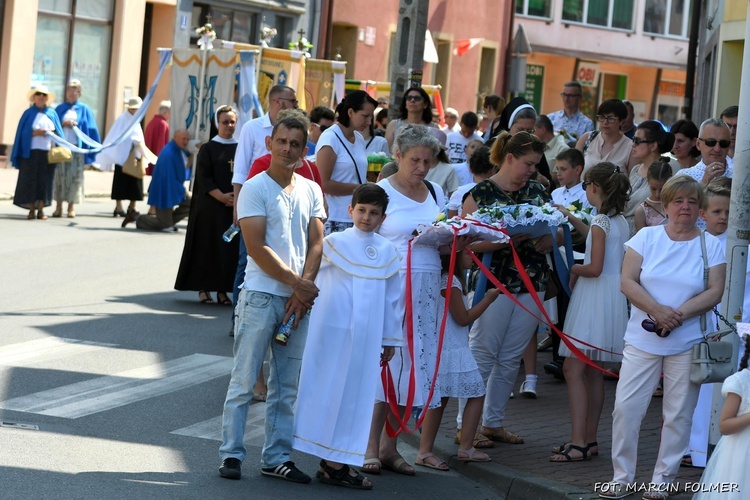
{"points": [[569, 169]]}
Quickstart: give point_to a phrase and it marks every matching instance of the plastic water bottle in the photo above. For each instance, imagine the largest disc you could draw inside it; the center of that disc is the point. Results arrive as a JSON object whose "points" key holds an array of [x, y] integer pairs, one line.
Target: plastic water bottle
{"points": [[230, 233], [284, 332]]}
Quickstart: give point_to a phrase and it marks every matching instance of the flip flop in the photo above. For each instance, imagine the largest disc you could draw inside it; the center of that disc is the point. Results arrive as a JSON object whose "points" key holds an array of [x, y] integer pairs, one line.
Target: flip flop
{"points": [[438, 465], [397, 464]]}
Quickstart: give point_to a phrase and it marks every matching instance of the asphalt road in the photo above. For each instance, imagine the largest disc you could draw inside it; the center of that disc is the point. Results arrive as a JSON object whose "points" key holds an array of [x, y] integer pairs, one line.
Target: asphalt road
{"points": [[112, 383]]}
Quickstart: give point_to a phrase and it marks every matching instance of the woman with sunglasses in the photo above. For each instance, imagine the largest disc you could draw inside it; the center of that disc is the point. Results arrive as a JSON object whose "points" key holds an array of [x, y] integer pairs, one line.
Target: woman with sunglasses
{"points": [[30, 150], [608, 143], [342, 159], [416, 108], [650, 142], [668, 296]]}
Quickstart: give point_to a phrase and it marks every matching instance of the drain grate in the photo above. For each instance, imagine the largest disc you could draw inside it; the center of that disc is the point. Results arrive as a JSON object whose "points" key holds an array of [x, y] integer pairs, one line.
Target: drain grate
{"points": [[19, 425]]}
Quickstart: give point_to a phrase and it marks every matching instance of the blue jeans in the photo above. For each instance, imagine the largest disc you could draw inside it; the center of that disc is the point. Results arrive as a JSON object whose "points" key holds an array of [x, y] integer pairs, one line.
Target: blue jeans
{"points": [[259, 316], [239, 276]]}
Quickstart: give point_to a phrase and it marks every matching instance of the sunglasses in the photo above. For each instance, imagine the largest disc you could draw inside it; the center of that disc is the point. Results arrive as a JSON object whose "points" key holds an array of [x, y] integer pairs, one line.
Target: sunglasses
{"points": [[569, 96], [228, 122], [650, 326], [638, 141], [586, 184], [42, 93], [723, 144], [415, 98], [608, 119], [322, 128], [293, 101]]}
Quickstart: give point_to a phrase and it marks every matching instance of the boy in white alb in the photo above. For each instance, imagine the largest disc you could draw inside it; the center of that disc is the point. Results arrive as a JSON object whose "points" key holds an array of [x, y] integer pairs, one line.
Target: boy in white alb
{"points": [[354, 316]]}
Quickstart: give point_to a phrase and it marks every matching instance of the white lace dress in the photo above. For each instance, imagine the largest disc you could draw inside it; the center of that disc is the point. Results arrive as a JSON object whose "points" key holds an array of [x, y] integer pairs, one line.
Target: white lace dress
{"points": [[728, 464], [458, 375], [598, 311]]}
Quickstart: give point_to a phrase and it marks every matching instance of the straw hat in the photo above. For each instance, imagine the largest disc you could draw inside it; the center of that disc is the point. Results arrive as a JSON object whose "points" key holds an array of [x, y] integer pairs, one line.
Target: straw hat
{"points": [[134, 103], [76, 84], [43, 90]]}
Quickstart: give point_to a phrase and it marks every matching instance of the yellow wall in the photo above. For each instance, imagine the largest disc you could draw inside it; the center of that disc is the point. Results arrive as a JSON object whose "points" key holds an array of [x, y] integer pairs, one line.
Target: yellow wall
{"points": [[730, 72], [127, 35], [162, 36], [735, 10], [16, 64]]}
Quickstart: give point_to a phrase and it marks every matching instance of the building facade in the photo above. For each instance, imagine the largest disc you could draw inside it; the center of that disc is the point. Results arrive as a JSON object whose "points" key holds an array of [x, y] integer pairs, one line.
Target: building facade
{"points": [[110, 45], [364, 37], [625, 49]]}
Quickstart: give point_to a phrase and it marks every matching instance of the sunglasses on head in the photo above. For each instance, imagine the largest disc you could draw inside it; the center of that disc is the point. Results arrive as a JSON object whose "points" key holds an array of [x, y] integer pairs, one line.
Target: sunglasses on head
{"points": [[638, 141], [724, 143], [650, 326]]}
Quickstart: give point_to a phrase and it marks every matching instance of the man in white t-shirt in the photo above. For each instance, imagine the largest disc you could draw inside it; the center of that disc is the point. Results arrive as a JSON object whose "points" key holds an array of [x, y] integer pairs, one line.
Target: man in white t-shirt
{"points": [[251, 146], [280, 214], [457, 141]]}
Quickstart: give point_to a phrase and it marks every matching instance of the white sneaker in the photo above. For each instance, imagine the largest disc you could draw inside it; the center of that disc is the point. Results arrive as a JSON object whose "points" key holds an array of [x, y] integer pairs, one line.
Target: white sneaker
{"points": [[528, 389]]}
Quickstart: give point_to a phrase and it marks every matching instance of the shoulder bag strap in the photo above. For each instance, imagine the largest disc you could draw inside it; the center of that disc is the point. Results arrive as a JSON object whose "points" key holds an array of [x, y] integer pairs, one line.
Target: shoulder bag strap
{"points": [[431, 189], [356, 170], [705, 279]]}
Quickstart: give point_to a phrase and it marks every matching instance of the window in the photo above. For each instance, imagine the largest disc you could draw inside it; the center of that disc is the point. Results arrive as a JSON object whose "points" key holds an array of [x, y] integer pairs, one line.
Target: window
{"points": [[234, 26], [667, 17], [606, 13], [73, 39], [535, 8]]}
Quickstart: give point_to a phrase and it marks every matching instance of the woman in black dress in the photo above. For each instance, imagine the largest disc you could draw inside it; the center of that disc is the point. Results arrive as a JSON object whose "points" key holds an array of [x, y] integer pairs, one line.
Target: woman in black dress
{"points": [[208, 262]]}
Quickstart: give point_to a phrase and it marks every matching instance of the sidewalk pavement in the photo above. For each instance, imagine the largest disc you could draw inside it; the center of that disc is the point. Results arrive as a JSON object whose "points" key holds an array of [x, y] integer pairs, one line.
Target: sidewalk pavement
{"points": [[95, 184], [516, 471], [525, 472]]}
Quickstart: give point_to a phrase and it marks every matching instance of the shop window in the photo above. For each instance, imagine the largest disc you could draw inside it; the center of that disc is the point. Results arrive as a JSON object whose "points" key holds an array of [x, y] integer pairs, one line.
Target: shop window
{"points": [[667, 17], [613, 86], [534, 8], [616, 14], [73, 40]]}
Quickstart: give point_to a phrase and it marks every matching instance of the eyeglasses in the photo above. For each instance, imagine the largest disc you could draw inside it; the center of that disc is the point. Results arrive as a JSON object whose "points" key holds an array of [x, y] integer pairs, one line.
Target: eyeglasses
{"points": [[322, 128], [293, 101], [650, 326], [415, 98], [569, 96], [228, 122], [608, 118], [637, 141], [723, 144]]}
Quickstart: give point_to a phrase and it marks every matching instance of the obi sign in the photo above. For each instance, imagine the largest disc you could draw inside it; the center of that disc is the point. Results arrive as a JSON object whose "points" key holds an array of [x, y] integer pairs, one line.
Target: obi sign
{"points": [[588, 74]]}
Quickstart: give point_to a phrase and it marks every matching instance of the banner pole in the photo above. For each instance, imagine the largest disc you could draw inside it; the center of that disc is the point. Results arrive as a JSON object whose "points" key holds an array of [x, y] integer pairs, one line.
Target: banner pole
{"points": [[200, 114]]}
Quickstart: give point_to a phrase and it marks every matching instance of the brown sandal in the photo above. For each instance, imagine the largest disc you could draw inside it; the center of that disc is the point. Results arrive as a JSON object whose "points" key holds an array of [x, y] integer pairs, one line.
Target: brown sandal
{"points": [[502, 435], [480, 440]]}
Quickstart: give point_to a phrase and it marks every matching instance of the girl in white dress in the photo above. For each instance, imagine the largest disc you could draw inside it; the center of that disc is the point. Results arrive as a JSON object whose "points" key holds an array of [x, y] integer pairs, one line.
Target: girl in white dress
{"points": [[729, 462], [597, 313], [458, 374]]}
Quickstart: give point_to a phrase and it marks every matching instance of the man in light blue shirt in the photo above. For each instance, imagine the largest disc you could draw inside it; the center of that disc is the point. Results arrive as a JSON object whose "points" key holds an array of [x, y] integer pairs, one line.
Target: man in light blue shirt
{"points": [[569, 121]]}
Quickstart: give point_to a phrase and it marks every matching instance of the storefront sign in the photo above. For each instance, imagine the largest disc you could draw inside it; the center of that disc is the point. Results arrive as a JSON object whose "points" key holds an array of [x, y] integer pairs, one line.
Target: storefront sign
{"points": [[534, 84], [588, 74]]}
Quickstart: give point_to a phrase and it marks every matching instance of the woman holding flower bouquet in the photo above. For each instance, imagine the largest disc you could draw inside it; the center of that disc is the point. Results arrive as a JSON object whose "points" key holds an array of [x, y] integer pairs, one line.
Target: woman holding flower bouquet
{"points": [[502, 333]]}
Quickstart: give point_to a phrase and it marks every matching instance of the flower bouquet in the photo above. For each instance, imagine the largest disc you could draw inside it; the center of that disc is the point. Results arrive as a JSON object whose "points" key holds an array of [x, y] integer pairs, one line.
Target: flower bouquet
{"points": [[207, 35], [577, 210], [521, 219], [266, 33], [442, 230]]}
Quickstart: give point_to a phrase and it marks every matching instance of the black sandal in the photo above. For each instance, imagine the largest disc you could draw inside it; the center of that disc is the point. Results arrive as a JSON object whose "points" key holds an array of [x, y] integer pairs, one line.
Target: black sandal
{"points": [[584, 450], [341, 477], [222, 299], [206, 297]]}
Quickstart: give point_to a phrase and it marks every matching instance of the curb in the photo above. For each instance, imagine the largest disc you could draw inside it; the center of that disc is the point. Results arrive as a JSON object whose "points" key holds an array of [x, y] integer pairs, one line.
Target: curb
{"points": [[510, 483], [9, 196]]}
